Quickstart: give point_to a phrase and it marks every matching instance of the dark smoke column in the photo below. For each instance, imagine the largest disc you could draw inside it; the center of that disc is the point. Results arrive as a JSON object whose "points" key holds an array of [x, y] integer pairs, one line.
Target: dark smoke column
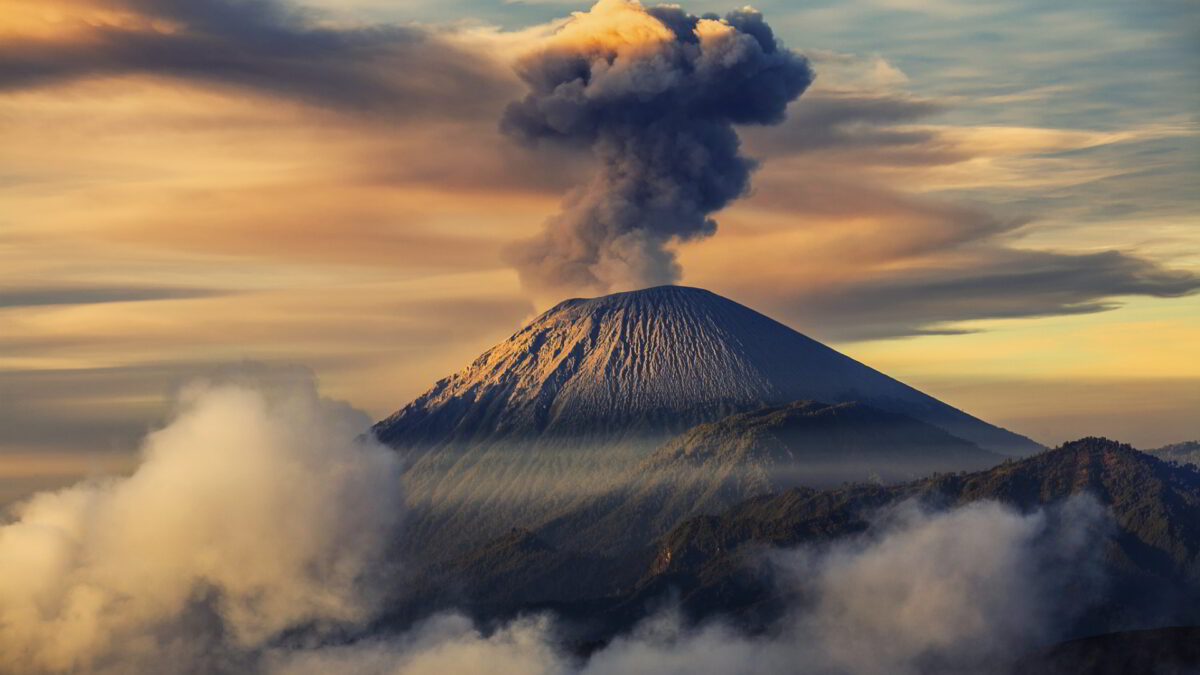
{"points": [[654, 94]]}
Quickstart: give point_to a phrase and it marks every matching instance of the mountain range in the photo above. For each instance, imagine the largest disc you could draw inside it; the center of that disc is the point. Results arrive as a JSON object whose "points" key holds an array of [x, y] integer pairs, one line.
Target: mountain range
{"points": [[710, 564]]}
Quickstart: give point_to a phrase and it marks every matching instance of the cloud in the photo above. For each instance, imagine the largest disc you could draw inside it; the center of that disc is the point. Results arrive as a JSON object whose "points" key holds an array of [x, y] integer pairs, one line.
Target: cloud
{"points": [[654, 94], [43, 296], [849, 191], [954, 591], [265, 46], [990, 283], [253, 512], [851, 233], [448, 643], [92, 377], [846, 120]]}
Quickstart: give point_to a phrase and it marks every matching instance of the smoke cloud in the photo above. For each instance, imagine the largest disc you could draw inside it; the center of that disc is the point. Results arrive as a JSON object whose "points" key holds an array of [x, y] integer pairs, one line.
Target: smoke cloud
{"points": [[654, 94], [252, 513], [958, 591]]}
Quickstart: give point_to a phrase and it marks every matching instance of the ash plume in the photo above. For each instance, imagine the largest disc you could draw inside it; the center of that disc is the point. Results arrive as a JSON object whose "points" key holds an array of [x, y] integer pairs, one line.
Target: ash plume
{"points": [[653, 94]]}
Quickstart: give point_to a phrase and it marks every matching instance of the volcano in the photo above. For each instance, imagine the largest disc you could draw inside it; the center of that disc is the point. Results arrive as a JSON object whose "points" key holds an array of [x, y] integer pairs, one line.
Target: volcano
{"points": [[565, 414], [653, 362]]}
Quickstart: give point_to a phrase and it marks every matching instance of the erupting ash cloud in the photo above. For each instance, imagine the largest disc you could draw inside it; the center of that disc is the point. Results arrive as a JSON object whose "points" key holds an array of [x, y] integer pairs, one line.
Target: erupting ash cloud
{"points": [[654, 93]]}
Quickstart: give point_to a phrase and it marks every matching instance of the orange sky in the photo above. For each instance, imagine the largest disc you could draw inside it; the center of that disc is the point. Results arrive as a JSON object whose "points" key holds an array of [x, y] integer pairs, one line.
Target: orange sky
{"points": [[159, 219]]}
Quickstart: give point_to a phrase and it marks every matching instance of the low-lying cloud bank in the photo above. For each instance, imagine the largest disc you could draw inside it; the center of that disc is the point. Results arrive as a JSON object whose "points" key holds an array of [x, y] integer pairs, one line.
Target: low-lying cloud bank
{"points": [[257, 534], [253, 512]]}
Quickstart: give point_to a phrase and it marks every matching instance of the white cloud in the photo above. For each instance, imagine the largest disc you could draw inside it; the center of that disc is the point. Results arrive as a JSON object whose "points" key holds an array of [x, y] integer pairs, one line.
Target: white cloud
{"points": [[252, 512]]}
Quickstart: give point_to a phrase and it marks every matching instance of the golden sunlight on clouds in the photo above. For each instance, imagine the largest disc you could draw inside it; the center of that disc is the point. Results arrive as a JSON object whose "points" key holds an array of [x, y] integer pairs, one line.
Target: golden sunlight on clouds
{"points": [[1132, 376], [610, 26], [306, 323], [1015, 157], [1071, 347], [243, 180], [71, 19]]}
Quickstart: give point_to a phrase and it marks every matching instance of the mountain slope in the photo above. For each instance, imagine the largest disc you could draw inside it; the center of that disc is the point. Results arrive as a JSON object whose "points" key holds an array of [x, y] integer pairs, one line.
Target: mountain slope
{"points": [[655, 361], [712, 466]]}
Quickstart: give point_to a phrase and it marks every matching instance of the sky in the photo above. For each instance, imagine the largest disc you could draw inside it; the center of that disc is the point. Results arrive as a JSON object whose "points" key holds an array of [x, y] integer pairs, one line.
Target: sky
{"points": [[994, 202]]}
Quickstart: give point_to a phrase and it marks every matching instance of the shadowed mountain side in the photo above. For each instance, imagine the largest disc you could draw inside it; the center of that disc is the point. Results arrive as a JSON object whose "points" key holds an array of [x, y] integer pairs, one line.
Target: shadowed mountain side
{"points": [[712, 564], [712, 466]]}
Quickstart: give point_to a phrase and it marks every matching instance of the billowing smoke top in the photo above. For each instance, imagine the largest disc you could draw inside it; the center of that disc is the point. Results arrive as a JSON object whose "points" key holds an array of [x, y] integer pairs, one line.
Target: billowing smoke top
{"points": [[654, 94]]}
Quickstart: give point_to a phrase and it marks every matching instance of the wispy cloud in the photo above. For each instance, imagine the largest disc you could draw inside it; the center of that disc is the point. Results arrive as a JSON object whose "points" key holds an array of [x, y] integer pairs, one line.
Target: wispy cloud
{"points": [[51, 295], [263, 46]]}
